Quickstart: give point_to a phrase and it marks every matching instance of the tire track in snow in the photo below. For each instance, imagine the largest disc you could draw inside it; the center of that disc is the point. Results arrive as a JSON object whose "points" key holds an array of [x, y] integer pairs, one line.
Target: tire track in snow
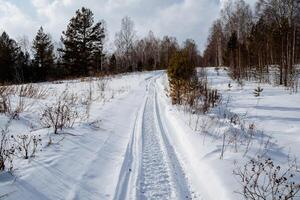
{"points": [[151, 169], [155, 177], [161, 175]]}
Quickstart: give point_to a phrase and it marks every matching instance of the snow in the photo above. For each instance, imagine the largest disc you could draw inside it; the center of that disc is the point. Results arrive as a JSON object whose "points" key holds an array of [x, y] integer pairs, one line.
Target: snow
{"points": [[87, 163], [276, 112], [276, 118], [154, 167], [133, 144]]}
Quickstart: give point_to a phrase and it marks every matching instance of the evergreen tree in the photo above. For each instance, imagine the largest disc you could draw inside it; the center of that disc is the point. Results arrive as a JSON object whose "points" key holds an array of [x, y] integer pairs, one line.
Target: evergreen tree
{"points": [[112, 63], [9, 51], [180, 72], [83, 43], [23, 68], [43, 53]]}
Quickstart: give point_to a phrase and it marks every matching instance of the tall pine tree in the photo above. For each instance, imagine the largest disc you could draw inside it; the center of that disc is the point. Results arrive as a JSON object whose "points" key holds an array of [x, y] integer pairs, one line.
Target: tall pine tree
{"points": [[9, 52], [43, 53], [83, 43]]}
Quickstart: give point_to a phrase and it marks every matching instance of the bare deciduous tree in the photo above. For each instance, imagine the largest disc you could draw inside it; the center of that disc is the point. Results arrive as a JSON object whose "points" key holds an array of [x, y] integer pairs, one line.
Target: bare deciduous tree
{"points": [[124, 41]]}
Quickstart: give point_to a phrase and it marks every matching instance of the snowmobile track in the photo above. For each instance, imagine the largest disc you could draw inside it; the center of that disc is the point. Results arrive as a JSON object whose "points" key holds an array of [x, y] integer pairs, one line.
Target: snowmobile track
{"points": [[151, 169]]}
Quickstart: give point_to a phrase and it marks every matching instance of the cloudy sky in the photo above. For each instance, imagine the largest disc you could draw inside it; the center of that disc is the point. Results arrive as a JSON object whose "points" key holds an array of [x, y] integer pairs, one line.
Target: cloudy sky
{"points": [[180, 18]]}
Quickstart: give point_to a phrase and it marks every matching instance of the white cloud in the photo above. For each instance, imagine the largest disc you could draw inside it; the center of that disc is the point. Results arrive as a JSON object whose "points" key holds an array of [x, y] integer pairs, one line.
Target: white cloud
{"points": [[14, 21], [188, 19], [180, 18]]}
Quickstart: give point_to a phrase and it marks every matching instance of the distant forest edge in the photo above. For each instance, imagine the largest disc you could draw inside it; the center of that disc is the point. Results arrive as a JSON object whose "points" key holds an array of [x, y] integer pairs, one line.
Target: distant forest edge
{"points": [[251, 42], [81, 52]]}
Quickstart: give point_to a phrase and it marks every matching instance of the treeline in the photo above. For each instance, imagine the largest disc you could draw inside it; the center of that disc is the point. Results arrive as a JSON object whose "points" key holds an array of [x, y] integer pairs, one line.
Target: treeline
{"points": [[148, 53], [252, 42], [81, 52]]}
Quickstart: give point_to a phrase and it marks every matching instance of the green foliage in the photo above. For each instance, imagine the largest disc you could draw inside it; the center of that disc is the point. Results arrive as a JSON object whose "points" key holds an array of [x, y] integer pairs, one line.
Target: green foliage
{"points": [[10, 55], [181, 73], [83, 43], [43, 52], [181, 67]]}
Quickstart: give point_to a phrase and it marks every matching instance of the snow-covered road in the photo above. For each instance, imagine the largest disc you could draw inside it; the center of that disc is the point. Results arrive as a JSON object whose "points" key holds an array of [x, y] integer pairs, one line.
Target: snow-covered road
{"points": [[156, 176], [154, 165], [159, 175]]}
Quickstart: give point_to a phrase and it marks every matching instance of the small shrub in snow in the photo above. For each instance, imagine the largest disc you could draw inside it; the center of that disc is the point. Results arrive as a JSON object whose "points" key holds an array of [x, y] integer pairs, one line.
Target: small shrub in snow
{"points": [[217, 69], [58, 116], [102, 84], [229, 86], [7, 90], [4, 99], [261, 179], [6, 151], [13, 110], [18, 108], [71, 99], [32, 91], [4, 108], [250, 134], [235, 119], [257, 91], [27, 145], [212, 98]]}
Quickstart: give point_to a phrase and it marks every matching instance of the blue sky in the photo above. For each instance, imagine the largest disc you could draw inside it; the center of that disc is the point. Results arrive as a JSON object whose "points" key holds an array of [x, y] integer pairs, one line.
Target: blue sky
{"points": [[180, 18]]}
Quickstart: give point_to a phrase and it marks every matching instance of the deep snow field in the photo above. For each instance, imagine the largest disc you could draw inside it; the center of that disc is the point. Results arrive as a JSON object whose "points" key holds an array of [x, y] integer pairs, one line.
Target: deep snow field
{"points": [[129, 142]]}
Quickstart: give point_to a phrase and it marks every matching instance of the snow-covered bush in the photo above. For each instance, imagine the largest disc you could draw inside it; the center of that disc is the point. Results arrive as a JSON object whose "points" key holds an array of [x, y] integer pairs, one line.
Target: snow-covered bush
{"points": [[261, 179]]}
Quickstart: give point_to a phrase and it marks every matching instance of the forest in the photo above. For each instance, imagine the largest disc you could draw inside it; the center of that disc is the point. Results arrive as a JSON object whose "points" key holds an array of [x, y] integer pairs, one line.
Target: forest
{"points": [[252, 42], [81, 52]]}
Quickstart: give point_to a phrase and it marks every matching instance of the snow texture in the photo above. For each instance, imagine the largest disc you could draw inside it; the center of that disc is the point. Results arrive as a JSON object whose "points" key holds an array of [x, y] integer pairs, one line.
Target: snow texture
{"points": [[136, 145]]}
